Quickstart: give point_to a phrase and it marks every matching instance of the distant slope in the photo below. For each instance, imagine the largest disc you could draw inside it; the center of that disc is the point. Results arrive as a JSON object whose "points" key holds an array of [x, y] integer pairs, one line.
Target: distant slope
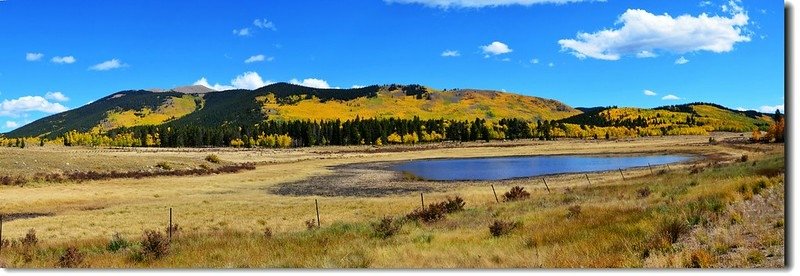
{"points": [[282, 101], [409, 101], [709, 117], [124, 108]]}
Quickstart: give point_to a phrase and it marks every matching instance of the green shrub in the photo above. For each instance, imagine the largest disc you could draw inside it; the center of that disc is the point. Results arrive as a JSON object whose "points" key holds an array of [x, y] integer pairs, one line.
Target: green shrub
{"points": [[117, 243], [386, 228], [213, 158]]}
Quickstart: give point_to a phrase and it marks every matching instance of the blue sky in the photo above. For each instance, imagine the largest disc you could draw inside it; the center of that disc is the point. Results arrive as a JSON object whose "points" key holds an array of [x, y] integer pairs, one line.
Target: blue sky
{"points": [[58, 55]]}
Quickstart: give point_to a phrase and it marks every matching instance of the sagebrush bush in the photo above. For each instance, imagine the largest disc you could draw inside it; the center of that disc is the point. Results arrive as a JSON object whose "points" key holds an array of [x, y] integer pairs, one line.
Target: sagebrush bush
{"points": [[311, 224], [644, 192], [700, 258], [71, 258], [213, 158], [386, 227], [437, 211], [30, 238], [500, 227], [117, 243], [516, 193], [154, 244]]}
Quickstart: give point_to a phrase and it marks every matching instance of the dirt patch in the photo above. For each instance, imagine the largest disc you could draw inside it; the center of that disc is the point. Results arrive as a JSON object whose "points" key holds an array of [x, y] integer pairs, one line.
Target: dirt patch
{"points": [[365, 180], [16, 216]]}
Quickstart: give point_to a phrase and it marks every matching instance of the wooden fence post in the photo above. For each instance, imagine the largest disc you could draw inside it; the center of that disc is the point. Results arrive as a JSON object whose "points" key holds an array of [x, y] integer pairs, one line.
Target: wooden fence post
{"points": [[651, 168], [623, 176], [170, 224], [587, 179], [422, 201], [545, 185], [316, 204], [495, 194], [1, 232]]}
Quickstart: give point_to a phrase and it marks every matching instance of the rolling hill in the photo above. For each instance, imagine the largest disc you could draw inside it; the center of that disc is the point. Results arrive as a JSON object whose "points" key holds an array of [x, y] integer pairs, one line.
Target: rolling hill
{"points": [[284, 102]]}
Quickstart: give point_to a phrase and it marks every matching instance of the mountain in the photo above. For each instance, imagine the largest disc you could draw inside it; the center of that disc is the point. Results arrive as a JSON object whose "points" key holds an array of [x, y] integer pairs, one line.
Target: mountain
{"points": [[701, 116], [199, 105]]}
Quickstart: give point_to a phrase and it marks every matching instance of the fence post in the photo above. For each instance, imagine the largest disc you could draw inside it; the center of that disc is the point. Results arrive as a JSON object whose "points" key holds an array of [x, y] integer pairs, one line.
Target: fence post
{"points": [[1, 232], [545, 185], [668, 168], [170, 224], [316, 204], [495, 194], [651, 168], [422, 201], [623, 176], [587, 179]]}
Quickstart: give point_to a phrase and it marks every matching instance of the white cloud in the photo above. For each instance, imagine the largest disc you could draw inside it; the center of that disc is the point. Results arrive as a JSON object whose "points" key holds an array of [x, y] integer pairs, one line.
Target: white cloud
{"points": [[264, 24], [256, 58], [506, 59], [551, 64], [704, 3], [450, 53], [681, 60], [496, 48], [649, 93], [33, 56], [357, 86], [21, 105], [535, 61], [444, 4], [670, 97], [56, 96], [242, 32], [108, 65], [645, 54], [644, 31], [11, 124], [247, 80], [311, 82], [741, 109], [61, 60], [770, 109]]}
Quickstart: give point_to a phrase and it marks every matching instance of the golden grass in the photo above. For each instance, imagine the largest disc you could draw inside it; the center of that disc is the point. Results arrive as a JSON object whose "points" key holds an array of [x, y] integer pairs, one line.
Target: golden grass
{"points": [[223, 216]]}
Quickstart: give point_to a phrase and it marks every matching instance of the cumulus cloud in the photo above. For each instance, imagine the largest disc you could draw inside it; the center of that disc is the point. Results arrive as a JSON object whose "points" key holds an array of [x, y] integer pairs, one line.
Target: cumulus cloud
{"points": [[264, 24], [450, 53], [21, 105], [643, 31], [646, 54], [681, 60], [256, 58], [108, 65], [649, 93], [311, 82], [56, 96], [242, 32], [247, 80], [444, 4], [11, 124], [670, 97], [496, 48], [771, 108], [33, 56], [535, 61], [62, 60]]}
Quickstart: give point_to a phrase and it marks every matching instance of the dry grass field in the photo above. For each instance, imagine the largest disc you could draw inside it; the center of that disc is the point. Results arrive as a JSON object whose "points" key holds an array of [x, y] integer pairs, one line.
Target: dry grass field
{"points": [[719, 211]]}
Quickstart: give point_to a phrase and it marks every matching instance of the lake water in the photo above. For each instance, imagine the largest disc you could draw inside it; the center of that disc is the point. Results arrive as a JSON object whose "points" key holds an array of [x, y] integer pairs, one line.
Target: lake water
{"points": [[498, 168]]}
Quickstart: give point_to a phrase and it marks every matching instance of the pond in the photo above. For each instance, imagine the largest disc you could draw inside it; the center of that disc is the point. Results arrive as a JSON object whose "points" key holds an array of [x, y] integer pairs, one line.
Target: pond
{"points": [[499, 168]]}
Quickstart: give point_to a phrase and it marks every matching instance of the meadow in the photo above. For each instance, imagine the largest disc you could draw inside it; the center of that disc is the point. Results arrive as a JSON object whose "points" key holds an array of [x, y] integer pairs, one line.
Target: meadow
{"points": [[725, 210]]}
